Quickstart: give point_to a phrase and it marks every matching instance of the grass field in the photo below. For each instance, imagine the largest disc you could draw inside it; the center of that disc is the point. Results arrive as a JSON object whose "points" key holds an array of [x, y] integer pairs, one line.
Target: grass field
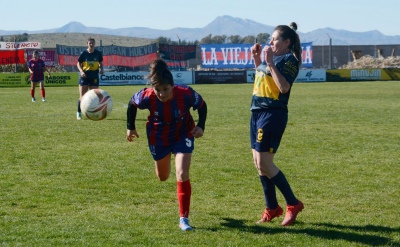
{"points": [[65, 182]]}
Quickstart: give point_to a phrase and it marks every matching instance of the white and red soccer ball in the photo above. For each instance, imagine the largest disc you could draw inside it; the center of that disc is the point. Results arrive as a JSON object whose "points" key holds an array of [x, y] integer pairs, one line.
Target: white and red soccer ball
{"points": [[96, 104]]}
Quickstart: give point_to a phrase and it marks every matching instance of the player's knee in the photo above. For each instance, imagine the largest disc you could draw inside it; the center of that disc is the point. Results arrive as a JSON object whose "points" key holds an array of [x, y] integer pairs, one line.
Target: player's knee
{"points": [[162, 177], [182, 177]]}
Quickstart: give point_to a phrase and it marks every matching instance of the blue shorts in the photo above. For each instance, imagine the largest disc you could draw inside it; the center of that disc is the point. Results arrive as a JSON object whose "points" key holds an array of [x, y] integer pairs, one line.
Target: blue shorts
{"points": [[184, 145], [37, 81], [89, 81], [37, 78], [266, 129]]}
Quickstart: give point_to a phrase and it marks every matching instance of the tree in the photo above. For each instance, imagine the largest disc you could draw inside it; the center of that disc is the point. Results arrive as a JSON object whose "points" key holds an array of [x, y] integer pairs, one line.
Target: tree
{"points": [[164, 40], [263, 38], [234, 39], [219, 39], [249, 39], [21, 37], [206, 40]]}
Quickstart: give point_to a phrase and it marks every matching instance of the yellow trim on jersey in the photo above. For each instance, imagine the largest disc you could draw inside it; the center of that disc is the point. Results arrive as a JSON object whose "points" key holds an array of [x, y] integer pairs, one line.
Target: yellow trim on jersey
{"points": [[264, 86], [90, 65]]}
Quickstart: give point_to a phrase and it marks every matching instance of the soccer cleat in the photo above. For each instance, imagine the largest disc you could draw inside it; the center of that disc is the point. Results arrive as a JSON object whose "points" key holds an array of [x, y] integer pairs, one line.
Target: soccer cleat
{"points": [[33, 100], [291, 213], [43, 99], [184, 224], [269, 214], [78, 116]]}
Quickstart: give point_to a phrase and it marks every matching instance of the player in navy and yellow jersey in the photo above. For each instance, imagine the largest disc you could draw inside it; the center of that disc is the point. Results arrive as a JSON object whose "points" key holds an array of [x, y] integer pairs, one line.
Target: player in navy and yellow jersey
{"points": [[170, 128], [90, 64], [272, 85], [36, 67]]}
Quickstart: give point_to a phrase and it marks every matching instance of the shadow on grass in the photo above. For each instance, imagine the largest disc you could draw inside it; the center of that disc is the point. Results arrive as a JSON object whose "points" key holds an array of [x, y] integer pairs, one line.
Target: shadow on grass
{"points": [[368, 234], [124, 119]]}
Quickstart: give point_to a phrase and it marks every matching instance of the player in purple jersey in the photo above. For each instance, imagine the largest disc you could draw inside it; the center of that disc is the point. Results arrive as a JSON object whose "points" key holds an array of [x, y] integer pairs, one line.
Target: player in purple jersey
{"points": [[170, 129], [269, 116], [36, 67]]}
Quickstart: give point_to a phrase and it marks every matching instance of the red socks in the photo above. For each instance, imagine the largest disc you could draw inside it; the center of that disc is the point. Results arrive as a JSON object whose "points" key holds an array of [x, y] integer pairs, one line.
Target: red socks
{"points": [[42, 92], [184, 192]]}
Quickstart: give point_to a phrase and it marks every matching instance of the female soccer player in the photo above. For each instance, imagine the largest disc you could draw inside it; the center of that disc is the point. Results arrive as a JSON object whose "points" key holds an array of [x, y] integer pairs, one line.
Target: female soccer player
{"points": [[36, 67], [170, 129], [273, 81], [90, 65]]}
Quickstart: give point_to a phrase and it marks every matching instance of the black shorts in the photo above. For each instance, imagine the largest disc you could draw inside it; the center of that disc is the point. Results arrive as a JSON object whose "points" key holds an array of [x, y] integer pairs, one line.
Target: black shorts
{"points": [[89, 81], [266, 129]]}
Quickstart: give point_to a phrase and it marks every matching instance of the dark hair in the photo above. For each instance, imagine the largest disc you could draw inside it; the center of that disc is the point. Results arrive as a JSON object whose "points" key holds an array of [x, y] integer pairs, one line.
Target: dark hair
{"points": [[287, 32], [293, 26], [159, 73], [91, 39], [35, 52]]}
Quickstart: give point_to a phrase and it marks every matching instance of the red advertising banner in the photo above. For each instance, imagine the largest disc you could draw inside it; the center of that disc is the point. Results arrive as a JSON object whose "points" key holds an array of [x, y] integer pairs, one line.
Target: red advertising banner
{"points": [[112, 60], [46, 56], [67, 60], [115, 60], [176, 65], [112, 55], [177, 52], [12, 57]]}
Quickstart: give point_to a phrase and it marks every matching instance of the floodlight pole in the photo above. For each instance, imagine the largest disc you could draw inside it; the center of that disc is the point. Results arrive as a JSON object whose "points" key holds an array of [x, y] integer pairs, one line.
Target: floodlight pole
{"points": [[330, 52], [179, 42], [16, 55]]}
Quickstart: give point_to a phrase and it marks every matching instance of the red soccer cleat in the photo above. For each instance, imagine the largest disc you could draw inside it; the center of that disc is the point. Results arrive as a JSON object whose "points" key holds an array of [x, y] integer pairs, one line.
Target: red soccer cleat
{"points": [[269, 214], [291, 213]]}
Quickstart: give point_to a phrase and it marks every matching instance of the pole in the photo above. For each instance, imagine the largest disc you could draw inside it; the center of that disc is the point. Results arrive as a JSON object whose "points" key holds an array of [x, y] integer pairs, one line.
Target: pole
{"points": [[16, 55], [179, 42], [330, 51]]}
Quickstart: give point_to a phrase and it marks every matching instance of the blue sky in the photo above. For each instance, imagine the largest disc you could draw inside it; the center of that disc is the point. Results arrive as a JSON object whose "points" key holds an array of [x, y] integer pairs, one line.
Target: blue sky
{"points": [[350, 15]]}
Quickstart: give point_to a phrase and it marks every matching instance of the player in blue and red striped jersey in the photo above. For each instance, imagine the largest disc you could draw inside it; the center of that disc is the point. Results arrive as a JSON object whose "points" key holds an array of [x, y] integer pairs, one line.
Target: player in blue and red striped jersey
{"points": [[170, 129], [36, 67]]}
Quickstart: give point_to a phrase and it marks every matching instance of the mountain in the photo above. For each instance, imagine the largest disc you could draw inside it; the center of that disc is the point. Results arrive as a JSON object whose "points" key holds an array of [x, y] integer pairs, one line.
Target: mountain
{"points": [[227, 25], [343, 37]]}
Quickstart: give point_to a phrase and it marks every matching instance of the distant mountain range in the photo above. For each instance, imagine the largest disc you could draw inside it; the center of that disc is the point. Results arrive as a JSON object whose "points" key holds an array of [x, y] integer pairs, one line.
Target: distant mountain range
{"points": [[227, 25]]}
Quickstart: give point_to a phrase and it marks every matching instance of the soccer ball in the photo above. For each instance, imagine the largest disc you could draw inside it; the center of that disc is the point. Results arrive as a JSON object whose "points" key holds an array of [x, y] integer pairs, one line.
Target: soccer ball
{"points": [[96, 104]]}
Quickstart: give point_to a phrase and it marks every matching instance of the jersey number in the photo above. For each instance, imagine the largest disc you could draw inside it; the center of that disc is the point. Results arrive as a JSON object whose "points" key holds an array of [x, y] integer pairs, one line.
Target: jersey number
{"points": [[188, 142]]}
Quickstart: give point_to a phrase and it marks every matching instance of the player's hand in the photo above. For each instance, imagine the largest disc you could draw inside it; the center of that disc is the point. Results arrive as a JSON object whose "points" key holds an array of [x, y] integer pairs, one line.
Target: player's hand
{"points": [[131, 134], [269, 54], [83, 75], [256, 49], [197, 132]]}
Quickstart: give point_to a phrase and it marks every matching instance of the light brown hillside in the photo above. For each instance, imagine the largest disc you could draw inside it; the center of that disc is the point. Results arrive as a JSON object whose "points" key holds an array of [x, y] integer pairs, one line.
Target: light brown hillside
{"points": [[49, 40]]}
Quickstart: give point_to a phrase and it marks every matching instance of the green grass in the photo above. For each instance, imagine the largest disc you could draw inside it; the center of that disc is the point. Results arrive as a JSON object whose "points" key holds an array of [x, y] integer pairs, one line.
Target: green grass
{"points": [[65, 182]]}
